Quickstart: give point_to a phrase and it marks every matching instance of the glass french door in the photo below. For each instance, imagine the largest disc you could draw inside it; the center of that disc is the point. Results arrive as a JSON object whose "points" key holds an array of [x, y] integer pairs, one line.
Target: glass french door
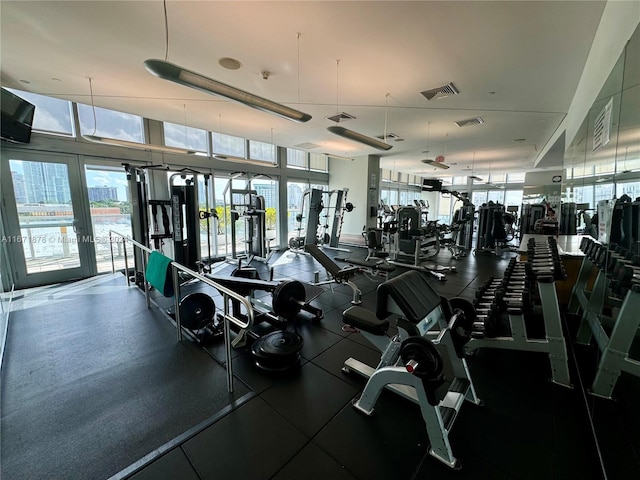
{"points": [[48, 229]]}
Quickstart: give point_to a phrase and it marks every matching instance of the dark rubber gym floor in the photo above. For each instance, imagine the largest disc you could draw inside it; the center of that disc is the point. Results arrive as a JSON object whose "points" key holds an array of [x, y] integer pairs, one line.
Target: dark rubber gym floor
{"points": [[94, 384]]}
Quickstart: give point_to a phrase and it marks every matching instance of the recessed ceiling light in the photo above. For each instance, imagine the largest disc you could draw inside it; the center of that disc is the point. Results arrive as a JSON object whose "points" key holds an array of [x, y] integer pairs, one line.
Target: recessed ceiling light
{"points": [[229, 63], [491, 93], [27, 82], [55, 79], [519, 140]]}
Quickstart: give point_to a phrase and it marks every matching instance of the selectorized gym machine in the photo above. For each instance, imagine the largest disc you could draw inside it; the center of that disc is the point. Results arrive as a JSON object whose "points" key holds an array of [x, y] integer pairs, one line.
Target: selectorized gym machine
{"points": [[492, 235], [324, 219], [431, 336], [245, 203], [414, 244]]}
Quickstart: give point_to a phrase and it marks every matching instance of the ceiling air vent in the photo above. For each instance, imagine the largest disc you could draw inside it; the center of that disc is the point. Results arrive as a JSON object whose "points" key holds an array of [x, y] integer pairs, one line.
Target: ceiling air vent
{"points": [[388, 136], [340, 117], [306, 146], [470, 121], [440, 92]]}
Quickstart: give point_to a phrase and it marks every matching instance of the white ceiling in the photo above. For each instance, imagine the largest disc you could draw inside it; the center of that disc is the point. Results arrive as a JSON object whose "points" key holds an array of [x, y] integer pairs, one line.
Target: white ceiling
{"points": [[516, 64]]}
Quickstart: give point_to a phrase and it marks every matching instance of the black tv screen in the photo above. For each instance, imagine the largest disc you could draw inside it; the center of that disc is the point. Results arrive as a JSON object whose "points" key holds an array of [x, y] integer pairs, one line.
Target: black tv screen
{"points": [[431, 185], [17, 118]]}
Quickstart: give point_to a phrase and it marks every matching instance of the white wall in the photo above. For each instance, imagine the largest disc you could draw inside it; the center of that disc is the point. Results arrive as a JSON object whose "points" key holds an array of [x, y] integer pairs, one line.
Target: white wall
{"points": [[356, 176]]}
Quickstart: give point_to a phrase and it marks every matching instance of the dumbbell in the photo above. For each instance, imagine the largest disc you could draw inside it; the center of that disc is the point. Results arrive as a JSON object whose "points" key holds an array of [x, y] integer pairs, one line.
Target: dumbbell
{"points": [[584, 242], [487, 323], [627, 273]]}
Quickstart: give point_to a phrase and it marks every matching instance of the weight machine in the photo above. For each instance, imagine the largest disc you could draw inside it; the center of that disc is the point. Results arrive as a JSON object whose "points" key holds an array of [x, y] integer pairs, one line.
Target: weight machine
{"points": [[414, 245], [140, 221], [492, 235], [319, 224], [245, 203]]}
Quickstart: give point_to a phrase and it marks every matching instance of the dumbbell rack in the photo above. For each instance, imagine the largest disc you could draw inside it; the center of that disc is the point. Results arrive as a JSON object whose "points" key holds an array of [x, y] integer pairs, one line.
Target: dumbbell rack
{"points": [[513, 296], [616, 274]]}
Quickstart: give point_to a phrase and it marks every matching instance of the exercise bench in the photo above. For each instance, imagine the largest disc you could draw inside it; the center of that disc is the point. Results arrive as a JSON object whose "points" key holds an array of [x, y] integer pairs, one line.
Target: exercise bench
{"points": [[432, 331], [338, 274]]}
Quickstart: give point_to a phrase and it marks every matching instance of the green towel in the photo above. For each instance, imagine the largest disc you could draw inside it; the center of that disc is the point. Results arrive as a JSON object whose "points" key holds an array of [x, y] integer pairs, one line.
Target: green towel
{"points": [[159, 273]]}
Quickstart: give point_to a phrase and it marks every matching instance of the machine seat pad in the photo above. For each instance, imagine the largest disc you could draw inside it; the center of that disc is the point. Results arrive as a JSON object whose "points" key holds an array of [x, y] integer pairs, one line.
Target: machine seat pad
{"points": [[366, 320], [411, 292], [330, 266]]}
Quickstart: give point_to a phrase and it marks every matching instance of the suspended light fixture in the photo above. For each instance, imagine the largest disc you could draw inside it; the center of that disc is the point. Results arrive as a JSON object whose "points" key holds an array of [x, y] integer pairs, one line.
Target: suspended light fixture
{"points": [[429, 161], [231, 158], [138, 146], [174, 73], [358, 137], [435, 163]]}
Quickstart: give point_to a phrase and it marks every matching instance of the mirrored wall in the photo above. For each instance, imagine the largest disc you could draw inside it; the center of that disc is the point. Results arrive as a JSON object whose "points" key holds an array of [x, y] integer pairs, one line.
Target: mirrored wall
{"points": [[602, 163]]}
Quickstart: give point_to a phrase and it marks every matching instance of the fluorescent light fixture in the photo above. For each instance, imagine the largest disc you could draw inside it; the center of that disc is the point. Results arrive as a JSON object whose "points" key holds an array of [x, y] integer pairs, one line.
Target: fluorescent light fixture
{"points": [[230, 158], [358, 137], [138, 146], [474, 177], [339, 157], [177, 74], [433, 163]]}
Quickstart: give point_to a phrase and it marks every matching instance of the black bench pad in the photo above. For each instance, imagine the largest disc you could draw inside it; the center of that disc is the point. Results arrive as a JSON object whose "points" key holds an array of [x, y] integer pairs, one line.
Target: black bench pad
{"points": [[411, 292], [366, 320]]}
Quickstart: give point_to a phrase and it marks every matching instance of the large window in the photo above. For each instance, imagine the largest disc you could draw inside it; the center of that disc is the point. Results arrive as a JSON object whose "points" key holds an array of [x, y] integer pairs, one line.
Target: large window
{"points": [[318, 162], [51, 115], [110, 210], [478, 197], [229, 145], [296, 158], [181, 136], [110, 124], [262, 151]]}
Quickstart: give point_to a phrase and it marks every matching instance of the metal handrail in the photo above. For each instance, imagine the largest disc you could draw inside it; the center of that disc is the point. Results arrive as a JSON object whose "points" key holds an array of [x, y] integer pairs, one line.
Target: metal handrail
{"points": [[227, 294]]}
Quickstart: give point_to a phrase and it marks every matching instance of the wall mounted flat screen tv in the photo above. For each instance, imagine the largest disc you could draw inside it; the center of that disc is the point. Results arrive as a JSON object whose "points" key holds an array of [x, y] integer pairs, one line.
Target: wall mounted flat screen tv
{"points": [[17, 118], [431, 185]]}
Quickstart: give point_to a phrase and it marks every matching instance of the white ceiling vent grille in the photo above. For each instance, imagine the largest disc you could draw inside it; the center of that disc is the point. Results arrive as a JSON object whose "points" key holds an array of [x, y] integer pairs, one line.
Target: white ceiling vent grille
{"points": [[306, 146], [340, 117], [440, 92], [469, 121]]}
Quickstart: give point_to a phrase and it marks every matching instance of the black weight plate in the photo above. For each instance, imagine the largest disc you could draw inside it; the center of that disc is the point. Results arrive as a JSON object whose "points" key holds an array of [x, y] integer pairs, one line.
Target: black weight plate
{"points": [[463, 324], [288, 298], [277, 364], [466, 307], [278, 343], [425, 354], [196, 310]]}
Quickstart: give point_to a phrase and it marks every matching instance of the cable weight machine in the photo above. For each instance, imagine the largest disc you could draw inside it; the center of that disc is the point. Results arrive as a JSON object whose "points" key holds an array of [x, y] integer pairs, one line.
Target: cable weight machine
{"points": [[245, 203], [323, 219]]}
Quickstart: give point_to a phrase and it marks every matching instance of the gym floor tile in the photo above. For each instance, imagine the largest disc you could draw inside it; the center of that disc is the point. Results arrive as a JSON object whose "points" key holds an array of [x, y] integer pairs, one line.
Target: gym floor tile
{"points": [[387, 445], [316, 339], [256, 379], [332, 321], [335, 299], [170, 466], [310, 399], [252, 442], [313, 464], [332, 360]]}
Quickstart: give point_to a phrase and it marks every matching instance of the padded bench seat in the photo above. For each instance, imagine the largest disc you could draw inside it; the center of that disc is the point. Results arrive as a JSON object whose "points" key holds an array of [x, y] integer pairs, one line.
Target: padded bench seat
{"points": [[366, 320]]}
